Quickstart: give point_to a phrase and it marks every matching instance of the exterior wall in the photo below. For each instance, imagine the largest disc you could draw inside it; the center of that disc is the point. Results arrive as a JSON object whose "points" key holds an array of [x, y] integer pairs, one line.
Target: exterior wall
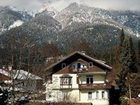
{"points": [[96, 101], [72, 95], [57, 94], [54, 92], [98, 78]]}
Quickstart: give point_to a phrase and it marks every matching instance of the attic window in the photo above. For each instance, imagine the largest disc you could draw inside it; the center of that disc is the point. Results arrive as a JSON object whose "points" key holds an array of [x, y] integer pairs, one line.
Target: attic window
{"points": [[63, 65], [90, 64], [78, 67]]}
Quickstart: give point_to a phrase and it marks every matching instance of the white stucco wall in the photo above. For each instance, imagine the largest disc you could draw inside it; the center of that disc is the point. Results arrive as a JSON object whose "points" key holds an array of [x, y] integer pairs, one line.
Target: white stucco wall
{"points": [[76, 95], [95, 100], [57, 93]]}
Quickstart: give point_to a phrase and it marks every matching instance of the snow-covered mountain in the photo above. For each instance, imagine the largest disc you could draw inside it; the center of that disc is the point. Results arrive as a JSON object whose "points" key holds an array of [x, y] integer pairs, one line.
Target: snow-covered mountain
{"points": [[75, 27], [77, 22], [77, 13], [10, 18], [80, 13]]}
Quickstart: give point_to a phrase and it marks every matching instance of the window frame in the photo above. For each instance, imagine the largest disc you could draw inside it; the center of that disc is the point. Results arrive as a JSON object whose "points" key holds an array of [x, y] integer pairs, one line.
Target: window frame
{"points": [[97, 94], [65, 80], [103, 94], [89, 79], [89, 95]]}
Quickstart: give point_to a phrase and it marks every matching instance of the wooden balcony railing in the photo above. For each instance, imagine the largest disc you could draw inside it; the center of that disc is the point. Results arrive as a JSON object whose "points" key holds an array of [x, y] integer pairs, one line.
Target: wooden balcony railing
{"points": [[65, 86], [94, 86]]}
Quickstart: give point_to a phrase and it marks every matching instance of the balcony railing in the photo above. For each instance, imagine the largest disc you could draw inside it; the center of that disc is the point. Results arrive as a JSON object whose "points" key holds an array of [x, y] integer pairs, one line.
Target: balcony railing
{"points": [[94, 86], [65, 86]]}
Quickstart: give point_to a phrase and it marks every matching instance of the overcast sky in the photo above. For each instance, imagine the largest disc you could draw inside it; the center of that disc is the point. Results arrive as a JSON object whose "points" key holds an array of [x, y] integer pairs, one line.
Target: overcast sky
{"points": [[36, 5]]}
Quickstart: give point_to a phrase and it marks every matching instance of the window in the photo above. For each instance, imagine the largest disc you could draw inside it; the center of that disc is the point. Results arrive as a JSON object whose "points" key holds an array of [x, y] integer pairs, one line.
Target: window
{"points": [[97, 95], [74, 67], [89, 95], [78, 65], [50, 94], [65, 80], [63, 65], [65, 96], [103, 94], [89, 79], [90, 64]]}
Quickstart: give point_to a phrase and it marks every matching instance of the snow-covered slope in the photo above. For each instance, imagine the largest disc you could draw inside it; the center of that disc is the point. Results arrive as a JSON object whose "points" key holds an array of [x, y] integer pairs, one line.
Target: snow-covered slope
{"points": [[76, 13], [10, 18], [17, 23]]}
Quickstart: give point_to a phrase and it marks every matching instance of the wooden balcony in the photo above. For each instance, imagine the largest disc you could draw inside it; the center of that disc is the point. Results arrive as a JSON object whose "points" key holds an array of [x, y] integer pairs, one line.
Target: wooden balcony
{"points": [[94, 86]]}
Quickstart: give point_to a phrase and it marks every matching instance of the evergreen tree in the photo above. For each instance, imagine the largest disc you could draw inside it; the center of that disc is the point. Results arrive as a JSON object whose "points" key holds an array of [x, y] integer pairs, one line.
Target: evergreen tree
{"points": [[127, 59], [139, 50], [122, 36], [131, 62]]}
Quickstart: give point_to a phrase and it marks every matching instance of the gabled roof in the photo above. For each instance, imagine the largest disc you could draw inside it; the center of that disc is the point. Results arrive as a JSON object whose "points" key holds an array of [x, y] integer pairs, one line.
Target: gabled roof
{"points": [[75, 56], [23, 75]]}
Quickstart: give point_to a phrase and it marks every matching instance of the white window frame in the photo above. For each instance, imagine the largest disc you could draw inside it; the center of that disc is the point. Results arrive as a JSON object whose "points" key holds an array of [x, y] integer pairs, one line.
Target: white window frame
{"points": [[97, 94], [89, 95]]}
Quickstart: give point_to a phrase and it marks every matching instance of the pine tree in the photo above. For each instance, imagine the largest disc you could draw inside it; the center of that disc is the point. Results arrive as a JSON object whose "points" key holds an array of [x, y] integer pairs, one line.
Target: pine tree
{"points": [[127, 59], [132, 62], [122, 36]]}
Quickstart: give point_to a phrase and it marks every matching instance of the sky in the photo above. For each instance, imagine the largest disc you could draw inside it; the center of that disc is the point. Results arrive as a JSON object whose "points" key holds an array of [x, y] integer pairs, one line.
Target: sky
{"points": [[37, 5]]}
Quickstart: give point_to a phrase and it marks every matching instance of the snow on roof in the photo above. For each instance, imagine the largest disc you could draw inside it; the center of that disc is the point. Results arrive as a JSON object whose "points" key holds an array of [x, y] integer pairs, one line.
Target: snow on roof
{"points": [[20, 74], [4, 72]]}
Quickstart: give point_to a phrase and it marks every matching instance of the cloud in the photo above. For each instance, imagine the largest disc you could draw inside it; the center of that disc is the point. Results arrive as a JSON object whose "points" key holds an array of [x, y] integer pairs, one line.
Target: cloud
{"points": [[115, 4], [36, 5], [28, 5], [105, 4]]}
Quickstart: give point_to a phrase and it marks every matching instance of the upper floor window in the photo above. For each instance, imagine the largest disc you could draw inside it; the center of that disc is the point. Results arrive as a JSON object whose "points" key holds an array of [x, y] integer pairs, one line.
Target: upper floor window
{"points": [[89, 79], [89, 95], [63, 65], [66, 80]]}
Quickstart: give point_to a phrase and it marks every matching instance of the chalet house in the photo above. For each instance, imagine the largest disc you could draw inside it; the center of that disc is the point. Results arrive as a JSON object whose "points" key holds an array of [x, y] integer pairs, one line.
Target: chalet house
{"points": [[79, 78]]}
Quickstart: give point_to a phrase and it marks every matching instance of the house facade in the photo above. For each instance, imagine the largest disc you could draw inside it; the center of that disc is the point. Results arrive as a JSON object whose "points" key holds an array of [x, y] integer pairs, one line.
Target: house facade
{"points": [[79, 78]]}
